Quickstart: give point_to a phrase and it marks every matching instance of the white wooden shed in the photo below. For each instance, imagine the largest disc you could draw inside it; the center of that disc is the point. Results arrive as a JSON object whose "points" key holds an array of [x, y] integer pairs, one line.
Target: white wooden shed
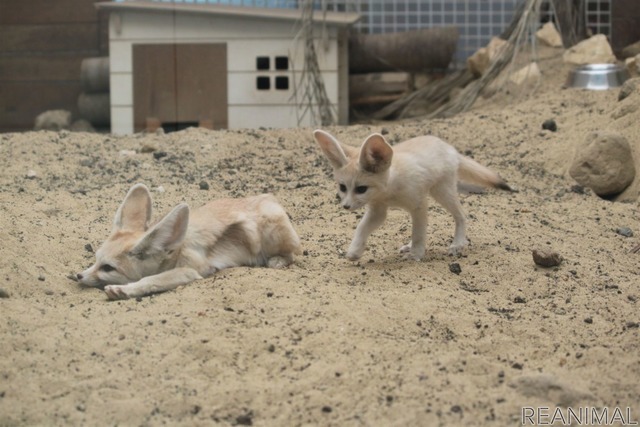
{"points": [[219, 66]]}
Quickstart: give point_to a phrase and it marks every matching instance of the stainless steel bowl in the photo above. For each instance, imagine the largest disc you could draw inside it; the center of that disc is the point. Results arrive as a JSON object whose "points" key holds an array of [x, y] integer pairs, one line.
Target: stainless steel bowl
{"points": [[597, 76]]}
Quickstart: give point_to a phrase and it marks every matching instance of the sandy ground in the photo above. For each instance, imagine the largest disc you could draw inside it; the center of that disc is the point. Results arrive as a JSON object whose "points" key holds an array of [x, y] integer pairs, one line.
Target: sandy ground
{"points": [[325, 342]]}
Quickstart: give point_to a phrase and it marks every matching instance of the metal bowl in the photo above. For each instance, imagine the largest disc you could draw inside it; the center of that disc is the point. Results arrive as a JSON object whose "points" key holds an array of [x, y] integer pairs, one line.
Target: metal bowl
{"points": [[597, 76]]}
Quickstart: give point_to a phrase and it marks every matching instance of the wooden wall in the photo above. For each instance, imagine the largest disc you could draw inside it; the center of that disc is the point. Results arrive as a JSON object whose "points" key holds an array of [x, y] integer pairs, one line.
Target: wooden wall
{"points": [[42, 44], [625, 23]]}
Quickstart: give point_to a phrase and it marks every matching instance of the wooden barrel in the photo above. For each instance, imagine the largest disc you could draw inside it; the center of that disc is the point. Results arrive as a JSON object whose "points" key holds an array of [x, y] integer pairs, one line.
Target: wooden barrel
{"points": [[94, 74], [95, 107]]}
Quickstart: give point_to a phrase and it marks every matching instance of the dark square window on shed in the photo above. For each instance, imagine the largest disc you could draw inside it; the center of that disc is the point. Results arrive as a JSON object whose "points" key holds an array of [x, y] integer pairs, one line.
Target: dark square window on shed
{"points": [[263, 83], [263, 63], [282, 82], [282, 62]]}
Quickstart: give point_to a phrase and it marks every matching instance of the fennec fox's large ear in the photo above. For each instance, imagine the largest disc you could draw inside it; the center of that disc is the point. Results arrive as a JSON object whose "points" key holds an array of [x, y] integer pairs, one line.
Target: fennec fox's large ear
{"points": [[135, 211], [166, 235], [375, 154], [331, 148]]}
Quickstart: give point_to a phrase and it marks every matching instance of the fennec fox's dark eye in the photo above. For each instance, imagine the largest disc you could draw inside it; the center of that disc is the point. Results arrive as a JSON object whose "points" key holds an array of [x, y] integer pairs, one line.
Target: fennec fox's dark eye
{"points": [[343, 188], [361, 189], [106, 268]]}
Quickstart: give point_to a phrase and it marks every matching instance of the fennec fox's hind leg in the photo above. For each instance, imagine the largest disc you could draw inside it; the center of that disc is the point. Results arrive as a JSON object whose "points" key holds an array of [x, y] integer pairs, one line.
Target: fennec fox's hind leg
{"points": [[279, 261], [279, 250], [446, 194], [415, 250]]}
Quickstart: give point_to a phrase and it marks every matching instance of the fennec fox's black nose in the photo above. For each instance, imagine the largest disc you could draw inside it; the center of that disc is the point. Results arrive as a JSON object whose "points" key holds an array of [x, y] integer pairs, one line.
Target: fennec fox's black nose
{"points": [[346, 206], [79, 276]]}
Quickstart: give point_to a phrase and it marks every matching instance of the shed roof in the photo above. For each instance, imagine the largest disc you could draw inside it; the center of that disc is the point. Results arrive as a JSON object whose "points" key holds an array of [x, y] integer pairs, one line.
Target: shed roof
{"points": [[333, 18]]}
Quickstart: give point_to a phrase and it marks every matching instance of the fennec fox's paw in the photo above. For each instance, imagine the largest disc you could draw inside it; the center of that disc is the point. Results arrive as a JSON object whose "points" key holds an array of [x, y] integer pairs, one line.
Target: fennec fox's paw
{"points": [[408, 253], [355, 252], [457, 248], [115, 292], [278, 262]]}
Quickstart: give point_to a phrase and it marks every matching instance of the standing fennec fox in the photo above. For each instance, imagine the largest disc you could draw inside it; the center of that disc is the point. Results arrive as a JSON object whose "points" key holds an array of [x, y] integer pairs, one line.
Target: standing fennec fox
{"points": [[139, 259], [381, 177]]}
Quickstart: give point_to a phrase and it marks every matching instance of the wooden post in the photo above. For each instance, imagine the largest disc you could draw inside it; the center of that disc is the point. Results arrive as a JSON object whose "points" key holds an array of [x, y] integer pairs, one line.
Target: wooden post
{"points": [[570, 15]]}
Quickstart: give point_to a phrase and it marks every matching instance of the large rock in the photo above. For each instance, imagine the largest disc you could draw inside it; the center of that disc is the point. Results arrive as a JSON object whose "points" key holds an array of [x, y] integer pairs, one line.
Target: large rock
{"points": [[604, 163], [594, 50], [527, 74], [549, 36], [628, 88], [631, 50], [480, 61], [53, 120], [632, 64]]}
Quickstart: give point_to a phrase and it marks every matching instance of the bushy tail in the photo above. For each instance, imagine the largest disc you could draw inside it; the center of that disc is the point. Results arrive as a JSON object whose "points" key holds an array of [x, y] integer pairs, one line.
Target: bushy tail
{"points": [[474, 173]]}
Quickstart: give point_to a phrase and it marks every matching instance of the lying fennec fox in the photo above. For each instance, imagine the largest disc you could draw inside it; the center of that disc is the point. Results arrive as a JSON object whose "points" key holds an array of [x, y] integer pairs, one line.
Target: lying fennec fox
{"points": [[381, 177], [139, 259]]}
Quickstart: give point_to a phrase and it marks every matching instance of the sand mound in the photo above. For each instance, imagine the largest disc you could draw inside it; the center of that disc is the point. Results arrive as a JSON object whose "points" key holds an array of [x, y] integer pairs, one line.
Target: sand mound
{"points": [[326, 341]]}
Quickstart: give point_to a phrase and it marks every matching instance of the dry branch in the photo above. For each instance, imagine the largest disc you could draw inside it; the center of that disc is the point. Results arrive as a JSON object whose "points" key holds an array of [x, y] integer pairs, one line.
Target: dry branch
{"points": [[438, 94], [311, 92]]}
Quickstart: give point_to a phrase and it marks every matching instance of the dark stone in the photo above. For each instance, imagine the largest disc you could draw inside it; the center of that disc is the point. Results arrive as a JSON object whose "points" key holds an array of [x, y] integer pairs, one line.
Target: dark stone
{"points": [[550, 125], [546, 258], [455, 268]]}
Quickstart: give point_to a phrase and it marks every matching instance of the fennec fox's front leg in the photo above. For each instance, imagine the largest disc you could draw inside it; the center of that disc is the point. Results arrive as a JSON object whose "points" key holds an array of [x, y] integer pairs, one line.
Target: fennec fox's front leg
{"points": [[373, 218], [415, 250], [162, 282]]}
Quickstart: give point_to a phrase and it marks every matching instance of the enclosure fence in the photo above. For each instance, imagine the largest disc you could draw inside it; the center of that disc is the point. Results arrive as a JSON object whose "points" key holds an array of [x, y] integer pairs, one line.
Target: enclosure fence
{"points": [[477, 20]]}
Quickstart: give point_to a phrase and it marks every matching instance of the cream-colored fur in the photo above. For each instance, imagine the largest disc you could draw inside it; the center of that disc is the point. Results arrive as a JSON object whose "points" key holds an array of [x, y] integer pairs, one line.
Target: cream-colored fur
{"points": [[381, 177], [139, 259]]}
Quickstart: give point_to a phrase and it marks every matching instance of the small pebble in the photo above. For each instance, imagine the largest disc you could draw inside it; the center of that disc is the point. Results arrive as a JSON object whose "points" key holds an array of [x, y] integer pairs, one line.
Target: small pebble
{"points": [[578, 189], [88, 163], [625, 231], [159, 154], [546, 257], [455, 268], [204, 185], [31, 174], [148, 148], [550, 125], [4, 294]]}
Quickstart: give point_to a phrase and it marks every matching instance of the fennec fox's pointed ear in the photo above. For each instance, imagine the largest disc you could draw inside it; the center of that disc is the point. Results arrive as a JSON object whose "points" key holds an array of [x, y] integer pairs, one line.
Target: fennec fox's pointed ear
{"points": [[166, 235], [331, 148], [375, 154], [135, 211]]}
